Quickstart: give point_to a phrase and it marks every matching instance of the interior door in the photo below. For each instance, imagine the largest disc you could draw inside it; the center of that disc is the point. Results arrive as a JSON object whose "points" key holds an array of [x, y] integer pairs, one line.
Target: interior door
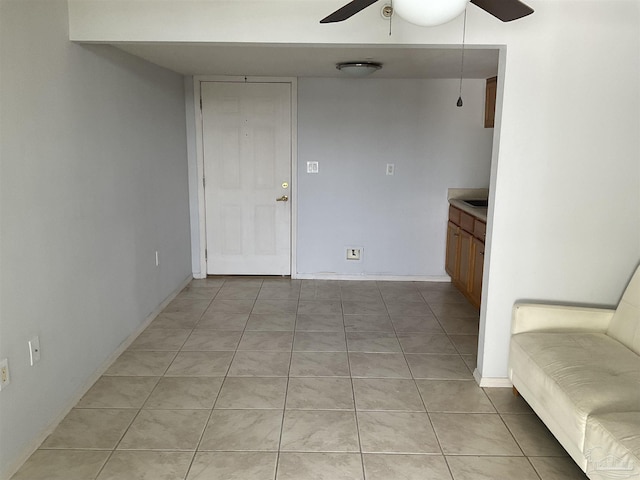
{"points": [[247, 167]]}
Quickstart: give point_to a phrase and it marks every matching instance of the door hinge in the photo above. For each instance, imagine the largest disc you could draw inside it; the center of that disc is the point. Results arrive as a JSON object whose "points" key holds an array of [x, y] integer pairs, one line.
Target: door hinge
{"points": [[206, 254], [200, 103], [204, 182]]}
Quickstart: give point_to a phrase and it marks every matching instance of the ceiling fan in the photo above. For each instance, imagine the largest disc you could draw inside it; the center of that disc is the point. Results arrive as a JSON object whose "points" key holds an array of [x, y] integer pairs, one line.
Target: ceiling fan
{"points": [[436, 12]]}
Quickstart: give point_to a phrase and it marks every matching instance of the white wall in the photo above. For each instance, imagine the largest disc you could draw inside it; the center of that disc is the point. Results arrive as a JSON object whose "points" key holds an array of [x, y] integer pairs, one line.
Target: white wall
{"points": [[565, 223], [93, 181], [353, 128]]}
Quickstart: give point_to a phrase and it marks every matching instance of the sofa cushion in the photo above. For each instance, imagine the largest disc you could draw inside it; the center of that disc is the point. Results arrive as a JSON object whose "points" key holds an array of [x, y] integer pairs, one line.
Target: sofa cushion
{"points": [[612, 444], [625, 324], [575, 374]]}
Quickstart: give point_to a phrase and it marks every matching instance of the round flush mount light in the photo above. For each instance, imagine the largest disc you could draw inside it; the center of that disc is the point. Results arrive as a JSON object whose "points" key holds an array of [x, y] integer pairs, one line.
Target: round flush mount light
{"points": [[358, 69], [429, 13]]}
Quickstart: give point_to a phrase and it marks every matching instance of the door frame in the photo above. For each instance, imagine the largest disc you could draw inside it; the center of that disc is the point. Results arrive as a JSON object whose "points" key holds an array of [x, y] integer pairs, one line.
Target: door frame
{"points": [[293, 195]]}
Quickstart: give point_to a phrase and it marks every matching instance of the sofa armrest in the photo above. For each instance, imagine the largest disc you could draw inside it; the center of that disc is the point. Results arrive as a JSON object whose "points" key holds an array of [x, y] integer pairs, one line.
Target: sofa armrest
{"points": [[530, 317]]}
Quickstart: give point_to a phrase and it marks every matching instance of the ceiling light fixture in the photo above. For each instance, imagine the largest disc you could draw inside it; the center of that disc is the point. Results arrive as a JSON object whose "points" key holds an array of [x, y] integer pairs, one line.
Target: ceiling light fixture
{"points": [[429, 13], [358, 69]]}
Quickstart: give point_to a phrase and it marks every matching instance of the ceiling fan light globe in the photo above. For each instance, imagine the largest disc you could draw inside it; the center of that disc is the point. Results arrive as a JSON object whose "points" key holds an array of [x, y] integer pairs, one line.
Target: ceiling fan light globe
{"points": [[429, 13]]}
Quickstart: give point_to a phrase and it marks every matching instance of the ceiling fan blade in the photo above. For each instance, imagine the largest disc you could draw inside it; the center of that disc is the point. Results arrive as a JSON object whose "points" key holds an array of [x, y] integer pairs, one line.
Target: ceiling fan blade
{"points": [[505, 10], [347, 11]]}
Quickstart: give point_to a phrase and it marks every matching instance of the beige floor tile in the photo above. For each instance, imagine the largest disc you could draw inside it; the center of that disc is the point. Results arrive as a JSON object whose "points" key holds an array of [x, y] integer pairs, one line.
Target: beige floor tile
{"points": [[198, 293], [454, 310], [238, 292], [438, 297], [320, 393], [320, 307], [360, 294], [319, 323], [405, 467], [320, 466], [372, 342], [266, 341], [438, 367], [252, 392], [91, 429], [243, 430], [426, 343], [267, 306], [276, 293], [459, 326], [233, 466], [319, 342], [409, 309], [459, 396], [491, 468], [187, 306], [62, 465], [471, 361], [533, 436], [167, 339], [176, 320], [474, 434], [397, 432], [387, 394], [506, 402], [223, 321], [320, 292], [142, 465], [362, 307], [230, 305], [118, 392], [141, 363], [465, 344], [189, 393], [557, 468], [368, 323], [378, 365], [283, 322], [200, 364], [260, 364], [319, 431], [202, 340], [165, 430], [319, 364], [402, 296], [414, 324]]}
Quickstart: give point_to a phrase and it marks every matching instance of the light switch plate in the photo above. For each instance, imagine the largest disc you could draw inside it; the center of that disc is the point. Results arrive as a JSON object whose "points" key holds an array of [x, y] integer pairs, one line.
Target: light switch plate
{"points": [[312, 167]]}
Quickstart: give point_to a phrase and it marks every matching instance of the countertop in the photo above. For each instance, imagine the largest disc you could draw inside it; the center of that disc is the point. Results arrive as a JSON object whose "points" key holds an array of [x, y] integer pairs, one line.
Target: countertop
{"points": [[457, 195], [478, 212]]}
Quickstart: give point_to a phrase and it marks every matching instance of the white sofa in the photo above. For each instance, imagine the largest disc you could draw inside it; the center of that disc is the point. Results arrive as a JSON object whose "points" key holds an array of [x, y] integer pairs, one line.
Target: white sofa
{"points": [[579, 369]]}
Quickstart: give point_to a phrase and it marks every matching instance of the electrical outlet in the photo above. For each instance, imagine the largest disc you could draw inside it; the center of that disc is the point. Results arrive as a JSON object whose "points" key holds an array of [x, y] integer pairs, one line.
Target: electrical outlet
{"points": [[391, 168], [353, 254], [5, 379], [157, 259], [34, 350]]}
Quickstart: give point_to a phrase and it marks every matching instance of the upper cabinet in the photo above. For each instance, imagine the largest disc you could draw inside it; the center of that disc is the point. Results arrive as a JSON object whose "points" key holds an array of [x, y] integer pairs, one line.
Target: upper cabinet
{"points": [[490, 102]]}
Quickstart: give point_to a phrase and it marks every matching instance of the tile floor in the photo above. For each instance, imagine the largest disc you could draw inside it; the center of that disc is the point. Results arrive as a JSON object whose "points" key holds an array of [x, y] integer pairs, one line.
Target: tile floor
{"points": [[265, 378]]}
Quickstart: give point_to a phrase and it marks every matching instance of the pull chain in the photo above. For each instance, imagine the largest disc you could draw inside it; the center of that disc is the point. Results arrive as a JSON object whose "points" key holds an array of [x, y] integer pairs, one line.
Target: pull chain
{"points": [[464, 34]]}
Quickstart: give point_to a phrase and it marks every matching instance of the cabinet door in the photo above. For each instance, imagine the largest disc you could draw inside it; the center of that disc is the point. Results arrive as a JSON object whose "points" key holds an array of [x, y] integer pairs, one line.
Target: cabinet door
{"points": [[453, 242], [476, 276], [465, 265]]}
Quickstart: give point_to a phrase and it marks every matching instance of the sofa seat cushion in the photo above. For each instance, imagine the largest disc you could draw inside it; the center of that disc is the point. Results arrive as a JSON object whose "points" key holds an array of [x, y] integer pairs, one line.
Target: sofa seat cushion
{"points": [[612, 444], [577, 374]]}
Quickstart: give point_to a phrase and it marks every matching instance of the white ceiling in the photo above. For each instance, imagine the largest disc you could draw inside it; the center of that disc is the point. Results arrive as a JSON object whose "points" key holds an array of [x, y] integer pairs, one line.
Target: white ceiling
{"points": [[286, 60]]}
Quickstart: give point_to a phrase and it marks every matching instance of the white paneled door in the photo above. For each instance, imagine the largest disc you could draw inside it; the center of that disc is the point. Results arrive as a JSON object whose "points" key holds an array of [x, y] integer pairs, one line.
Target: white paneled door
{"points": [[247, 167]]}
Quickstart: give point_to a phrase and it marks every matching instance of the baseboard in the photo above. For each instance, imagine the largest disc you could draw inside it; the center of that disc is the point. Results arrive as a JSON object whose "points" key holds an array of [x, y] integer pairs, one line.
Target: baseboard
{"points": [[491, 382], [372, 277], [28, 451]]}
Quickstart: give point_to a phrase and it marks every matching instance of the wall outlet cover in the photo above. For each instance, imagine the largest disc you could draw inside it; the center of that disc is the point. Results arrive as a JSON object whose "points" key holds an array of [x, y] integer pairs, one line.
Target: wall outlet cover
{"points": [[354, 253]]}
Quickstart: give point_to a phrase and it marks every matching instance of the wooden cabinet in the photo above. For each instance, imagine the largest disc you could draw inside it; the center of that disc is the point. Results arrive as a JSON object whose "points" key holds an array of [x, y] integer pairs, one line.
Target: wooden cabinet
{"points": [[465, 253], [490, 102]]}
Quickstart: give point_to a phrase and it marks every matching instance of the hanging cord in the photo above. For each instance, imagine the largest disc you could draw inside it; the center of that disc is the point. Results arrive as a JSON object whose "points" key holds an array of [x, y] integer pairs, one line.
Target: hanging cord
{"points": [[390, 17], [464, 34]]}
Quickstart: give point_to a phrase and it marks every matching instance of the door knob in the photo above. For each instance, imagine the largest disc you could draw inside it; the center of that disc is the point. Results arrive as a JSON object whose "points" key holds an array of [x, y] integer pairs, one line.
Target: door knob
{"points": [[283, 198]]}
